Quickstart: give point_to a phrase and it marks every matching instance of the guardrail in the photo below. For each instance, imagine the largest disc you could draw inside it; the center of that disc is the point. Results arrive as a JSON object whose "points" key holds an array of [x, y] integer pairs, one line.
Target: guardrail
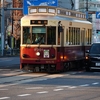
{"points": [[10, 52]]}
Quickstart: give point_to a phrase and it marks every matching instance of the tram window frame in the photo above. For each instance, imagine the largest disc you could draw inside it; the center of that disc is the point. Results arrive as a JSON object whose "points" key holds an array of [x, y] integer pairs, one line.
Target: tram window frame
{"points": [[70, 35], [83, 36], [78, 36], [26, 34], [67, 37], [74, 36], [39, 36], [51, 10], [53, 38], [42, 10], [89, 36]]}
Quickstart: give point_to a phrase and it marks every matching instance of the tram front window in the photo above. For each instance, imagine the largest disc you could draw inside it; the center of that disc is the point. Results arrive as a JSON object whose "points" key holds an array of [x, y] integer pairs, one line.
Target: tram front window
{"points": [[39, 35], [51, 35]]}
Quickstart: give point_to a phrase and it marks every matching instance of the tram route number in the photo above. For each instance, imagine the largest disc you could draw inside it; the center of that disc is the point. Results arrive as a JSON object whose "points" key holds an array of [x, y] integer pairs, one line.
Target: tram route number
{"points": [[49, 61]]}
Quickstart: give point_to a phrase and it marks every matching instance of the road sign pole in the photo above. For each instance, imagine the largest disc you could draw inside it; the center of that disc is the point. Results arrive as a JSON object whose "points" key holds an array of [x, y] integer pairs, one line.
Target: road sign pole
{"points": [[2, 27]]}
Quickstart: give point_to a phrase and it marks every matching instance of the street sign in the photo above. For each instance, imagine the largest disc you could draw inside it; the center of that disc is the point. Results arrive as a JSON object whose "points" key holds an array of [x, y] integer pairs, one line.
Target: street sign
{"points": [[28, 3], [98, 15]]}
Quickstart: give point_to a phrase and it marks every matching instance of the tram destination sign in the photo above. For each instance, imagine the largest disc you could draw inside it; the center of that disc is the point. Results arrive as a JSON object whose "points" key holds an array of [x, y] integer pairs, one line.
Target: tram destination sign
{"points": [[27, 3], [38, 22]]}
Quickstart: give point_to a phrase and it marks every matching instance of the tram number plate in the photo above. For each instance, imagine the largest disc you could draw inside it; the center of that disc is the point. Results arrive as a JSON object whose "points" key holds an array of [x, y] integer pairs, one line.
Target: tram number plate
{"points": [[97, 64]]}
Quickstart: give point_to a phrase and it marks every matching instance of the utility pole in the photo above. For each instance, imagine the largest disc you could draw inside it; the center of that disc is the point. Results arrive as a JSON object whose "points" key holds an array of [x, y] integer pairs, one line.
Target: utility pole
{"points": [[2, 26]]}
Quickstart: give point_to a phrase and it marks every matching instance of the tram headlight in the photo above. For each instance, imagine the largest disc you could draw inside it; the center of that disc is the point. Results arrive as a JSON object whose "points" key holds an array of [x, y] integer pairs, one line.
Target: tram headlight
{"points": [[61, 57], [38, 53], [86, 57]]}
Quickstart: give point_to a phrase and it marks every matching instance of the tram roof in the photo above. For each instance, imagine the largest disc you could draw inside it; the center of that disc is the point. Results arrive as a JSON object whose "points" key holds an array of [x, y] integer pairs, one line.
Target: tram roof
{"points": [[50, 17]]}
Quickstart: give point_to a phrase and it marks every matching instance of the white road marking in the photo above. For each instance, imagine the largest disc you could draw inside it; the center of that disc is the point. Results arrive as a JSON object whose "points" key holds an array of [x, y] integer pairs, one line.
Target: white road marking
{"points": [[54, 76], [42, 92], [58, 89], [72, 87], [2, 98], [66, 86], [34, 88], [22, 95], [95, 83], [84, 85]]}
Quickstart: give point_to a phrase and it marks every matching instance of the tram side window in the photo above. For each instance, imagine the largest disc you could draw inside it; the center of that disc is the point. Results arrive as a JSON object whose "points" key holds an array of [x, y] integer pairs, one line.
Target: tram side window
{"points": [[39, 35], [78, 36], [82, 36], [26, 33], [70, 35], [67, 37], [74, 36], [51, 35], [88, 36]]}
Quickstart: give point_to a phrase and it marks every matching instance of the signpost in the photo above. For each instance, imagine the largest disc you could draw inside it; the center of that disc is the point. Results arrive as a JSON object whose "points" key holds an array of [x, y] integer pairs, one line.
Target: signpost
{"points": [[98, 15], [28, 3]]}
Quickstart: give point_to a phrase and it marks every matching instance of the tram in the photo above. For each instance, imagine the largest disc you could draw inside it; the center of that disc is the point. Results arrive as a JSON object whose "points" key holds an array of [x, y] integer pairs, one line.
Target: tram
{"points": [[53, 39]]}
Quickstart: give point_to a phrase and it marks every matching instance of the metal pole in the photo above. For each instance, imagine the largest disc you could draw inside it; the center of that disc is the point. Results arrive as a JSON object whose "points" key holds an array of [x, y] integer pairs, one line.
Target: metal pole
{"points": [[87, 9], [2, 27]]}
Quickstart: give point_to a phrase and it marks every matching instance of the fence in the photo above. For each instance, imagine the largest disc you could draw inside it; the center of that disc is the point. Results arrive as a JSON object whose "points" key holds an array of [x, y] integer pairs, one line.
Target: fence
{"points": [[10, 52]]}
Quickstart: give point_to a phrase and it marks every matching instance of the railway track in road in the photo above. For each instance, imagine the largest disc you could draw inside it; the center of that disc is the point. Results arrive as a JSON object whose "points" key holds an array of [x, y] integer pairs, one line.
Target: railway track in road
{"points": [[16, 76], [13, 77]]}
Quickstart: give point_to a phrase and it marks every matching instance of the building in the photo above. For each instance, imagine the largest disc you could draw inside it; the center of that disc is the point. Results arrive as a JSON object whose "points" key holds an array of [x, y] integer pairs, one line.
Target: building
{"points": [[91, 7]]}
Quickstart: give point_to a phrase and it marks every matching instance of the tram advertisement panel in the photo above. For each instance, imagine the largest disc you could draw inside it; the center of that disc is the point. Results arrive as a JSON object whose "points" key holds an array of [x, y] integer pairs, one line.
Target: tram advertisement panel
{"points": [[38, 3]]}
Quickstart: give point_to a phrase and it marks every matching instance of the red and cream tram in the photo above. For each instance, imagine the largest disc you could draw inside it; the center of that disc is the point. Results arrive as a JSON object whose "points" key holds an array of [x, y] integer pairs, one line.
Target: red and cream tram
{"points": [[53, 39]]}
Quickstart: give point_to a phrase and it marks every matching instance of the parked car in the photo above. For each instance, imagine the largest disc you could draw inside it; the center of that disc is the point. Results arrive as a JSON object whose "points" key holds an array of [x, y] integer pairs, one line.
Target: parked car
{"points": [[93, 57]]}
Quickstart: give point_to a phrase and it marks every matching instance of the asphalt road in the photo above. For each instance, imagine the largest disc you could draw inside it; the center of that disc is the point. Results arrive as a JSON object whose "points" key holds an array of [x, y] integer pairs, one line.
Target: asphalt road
{"points": [[72, 85], [63, 86], [9, 61]]}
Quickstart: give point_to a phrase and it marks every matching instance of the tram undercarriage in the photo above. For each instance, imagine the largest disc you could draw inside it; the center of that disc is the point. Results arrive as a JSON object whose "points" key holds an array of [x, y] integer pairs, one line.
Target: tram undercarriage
{"points": [[58, 67]]}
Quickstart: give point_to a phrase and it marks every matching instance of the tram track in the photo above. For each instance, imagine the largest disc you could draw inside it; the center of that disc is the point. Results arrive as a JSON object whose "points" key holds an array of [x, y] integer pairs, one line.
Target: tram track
{"points": [[24, 77], [12, 74], [15, 77]]}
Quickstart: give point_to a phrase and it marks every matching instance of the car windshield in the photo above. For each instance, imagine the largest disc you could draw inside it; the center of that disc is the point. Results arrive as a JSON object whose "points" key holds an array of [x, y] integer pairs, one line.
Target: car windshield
{"points": [[95, 49]]}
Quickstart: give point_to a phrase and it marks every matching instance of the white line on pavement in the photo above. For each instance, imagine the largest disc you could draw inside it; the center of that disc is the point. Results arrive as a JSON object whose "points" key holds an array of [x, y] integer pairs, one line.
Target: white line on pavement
{"points": [[42, 92], [22, 95], [58, 89], [95, 83], [2, 98], [84, 85]]}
